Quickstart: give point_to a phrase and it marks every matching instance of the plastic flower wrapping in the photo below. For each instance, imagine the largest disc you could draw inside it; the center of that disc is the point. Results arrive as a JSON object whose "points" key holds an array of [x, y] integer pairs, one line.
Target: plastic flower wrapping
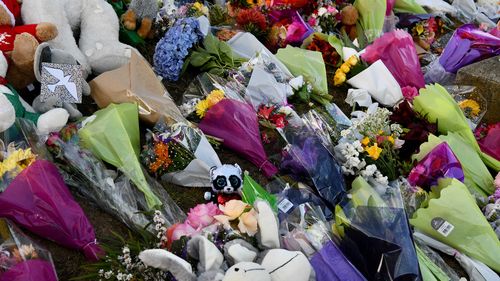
{"points": [[305, 158], [304, 228], [48, 208], [89, 177], [372, 15], [375, 233], [21, 259], [453, 218], [397, 50], [179, 154], [467, 45]]}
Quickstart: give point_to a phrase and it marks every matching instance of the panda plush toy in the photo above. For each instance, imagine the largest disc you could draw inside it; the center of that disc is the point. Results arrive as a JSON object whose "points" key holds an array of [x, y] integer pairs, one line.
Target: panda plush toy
{"points": [[226, 184]]}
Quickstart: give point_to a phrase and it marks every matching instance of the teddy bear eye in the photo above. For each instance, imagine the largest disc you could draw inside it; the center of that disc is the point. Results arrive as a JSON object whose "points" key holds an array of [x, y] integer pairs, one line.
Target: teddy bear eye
{"points": [[235, 181]]}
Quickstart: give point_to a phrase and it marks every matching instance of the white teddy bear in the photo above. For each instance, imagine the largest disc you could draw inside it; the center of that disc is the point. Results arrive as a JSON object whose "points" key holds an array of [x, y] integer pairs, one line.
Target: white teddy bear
{"points": [[98, 48]]}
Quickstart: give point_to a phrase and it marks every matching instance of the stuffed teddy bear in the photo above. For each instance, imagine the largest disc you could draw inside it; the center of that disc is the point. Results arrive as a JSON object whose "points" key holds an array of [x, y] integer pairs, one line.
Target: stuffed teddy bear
{"points": [[143, 10], [226, 184], [99, 49], [245, 262], [12, 106], [19, 43]]}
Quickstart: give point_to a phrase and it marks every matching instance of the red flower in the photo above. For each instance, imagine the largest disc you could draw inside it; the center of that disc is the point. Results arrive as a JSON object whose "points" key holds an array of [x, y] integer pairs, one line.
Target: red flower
{"points": [[279, 120], [251, 16], [265, 111]]}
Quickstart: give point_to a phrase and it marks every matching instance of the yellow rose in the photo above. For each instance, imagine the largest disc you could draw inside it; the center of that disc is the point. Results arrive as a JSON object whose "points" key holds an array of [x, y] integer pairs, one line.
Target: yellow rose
{"points": [[352, 61], [345, 68], [233, 208], [248, 223]]}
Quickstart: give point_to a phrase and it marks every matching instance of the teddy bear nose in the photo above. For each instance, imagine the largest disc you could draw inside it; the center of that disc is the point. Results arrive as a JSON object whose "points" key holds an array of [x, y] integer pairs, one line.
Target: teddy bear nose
{"points": [[236, 269]]}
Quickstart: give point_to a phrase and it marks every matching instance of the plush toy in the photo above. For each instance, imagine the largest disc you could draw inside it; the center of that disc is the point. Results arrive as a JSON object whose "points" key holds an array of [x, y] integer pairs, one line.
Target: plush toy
{"points": [[19, 43], [99, 49], [226, 184], [244, 261], [143, 10], [12, 106]]}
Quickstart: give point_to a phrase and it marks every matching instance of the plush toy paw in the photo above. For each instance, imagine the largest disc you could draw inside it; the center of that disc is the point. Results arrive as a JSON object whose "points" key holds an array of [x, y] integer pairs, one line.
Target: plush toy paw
{"points": [[52, 121], [46, 31], [108, 56], [7, 113], [23, 54], [145, 28], [129, 20]]}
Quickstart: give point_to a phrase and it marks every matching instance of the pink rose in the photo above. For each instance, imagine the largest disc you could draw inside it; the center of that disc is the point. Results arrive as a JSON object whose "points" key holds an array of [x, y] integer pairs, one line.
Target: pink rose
{"points": [[312, 21], [202, 215], [331, 10], [409, 93]]}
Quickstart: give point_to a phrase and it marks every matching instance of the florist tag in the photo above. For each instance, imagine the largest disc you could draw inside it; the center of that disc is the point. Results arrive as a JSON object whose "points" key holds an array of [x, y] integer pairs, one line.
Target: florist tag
{"points": [[285, 205], [442, 226], [61, 83]]}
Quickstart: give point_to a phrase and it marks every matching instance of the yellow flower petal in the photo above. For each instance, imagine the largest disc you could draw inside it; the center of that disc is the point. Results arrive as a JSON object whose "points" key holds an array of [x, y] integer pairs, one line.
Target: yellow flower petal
{"points": [[470, 106], [233, 208], [374, 151], [339, 78], [248, 223], [345, 68], [202, 108], [365, 141], [352, 61]]}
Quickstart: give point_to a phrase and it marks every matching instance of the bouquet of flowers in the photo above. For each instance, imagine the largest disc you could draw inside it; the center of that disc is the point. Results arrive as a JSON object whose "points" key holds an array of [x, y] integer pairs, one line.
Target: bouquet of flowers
{"points": [[88, 176], [371, 17], [424, 29], [21, 259], [305, 158], [370, 146], [304, 228], [172, 50], [47, 207], [329, 46], [179, 154], [292, 30], [375, 233], [467, 45], [324, 19]]}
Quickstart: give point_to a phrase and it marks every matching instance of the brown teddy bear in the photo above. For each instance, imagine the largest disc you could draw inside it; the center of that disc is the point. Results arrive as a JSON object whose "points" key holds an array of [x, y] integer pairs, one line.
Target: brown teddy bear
{"points": [[19, 43], [143, 10]]}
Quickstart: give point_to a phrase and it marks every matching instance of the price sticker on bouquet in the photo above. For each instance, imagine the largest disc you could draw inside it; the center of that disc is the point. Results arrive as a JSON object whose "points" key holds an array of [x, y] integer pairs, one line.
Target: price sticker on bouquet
{"points": [[442, 226], [285, 205]]}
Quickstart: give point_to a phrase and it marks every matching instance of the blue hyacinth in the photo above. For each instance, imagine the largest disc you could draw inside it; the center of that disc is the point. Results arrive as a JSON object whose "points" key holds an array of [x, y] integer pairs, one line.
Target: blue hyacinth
{"points": [[174, 47]]}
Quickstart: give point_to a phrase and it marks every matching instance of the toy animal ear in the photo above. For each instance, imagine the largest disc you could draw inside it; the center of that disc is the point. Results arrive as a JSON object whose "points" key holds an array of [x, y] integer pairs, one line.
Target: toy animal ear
{"points": [[212, 171], [239, 169]]}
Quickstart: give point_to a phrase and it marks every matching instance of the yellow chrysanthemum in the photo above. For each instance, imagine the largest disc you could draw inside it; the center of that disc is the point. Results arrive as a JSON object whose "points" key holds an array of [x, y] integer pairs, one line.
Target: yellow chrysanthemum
{"points": [[339, 78], [471, 107], [365, 141], [352, 61], [215, 97], [202, 107], [374, 151], [17, 160]]}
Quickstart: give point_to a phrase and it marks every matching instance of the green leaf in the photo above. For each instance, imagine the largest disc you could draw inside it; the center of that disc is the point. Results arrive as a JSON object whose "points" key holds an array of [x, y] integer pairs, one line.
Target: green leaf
{"points": [[336, 44], [217, 71], [199, 58], [185, 65], [211, 45]]}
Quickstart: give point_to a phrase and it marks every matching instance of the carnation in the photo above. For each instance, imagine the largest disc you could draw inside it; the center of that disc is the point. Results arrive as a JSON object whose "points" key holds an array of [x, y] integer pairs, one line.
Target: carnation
{"points": [[174, 47]]}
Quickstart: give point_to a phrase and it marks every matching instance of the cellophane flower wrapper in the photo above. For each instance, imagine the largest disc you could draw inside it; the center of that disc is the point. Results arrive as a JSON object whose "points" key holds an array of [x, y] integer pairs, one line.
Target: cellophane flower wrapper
{"points": [[324, 126], [469, 12], [388, 93], [309, 64], [408, 6], [307, 159], [21, 259], [463, 94], [253, 191], [375, 233], [468, 44], [453, 218], [38, 199], [89, 177], [432, 266], [397, 50], [305, 229], [189, 151], [112, 134], [437, 105], [205, 83], [475, 269], [265, 82], [371, 17], [236, 123], [439, 163]]}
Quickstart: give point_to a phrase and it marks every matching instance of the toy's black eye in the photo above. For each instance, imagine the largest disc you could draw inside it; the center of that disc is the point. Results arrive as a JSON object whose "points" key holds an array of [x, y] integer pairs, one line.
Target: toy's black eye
{"points": [[220, 182], [236, 269], [235, 181]]}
